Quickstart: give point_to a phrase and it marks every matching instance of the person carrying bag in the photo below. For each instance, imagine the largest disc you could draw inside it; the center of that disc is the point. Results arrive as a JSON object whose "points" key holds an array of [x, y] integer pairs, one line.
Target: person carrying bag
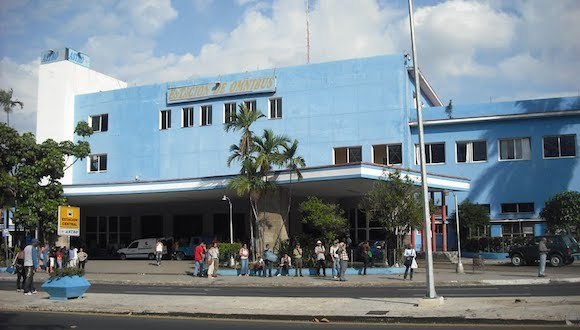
{"points": [[409, 256]]}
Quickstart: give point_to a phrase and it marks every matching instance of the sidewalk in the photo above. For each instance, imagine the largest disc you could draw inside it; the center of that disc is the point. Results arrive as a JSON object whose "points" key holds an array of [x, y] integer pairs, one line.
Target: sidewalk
{"points": [[533, 310]]}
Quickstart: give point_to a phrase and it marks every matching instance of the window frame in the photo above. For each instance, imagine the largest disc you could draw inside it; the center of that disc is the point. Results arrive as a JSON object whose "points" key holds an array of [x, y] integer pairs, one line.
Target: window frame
{"points": [[518, 206], [468, 147], [209, 109], [559, 136], [387, 147], [90, 122], [225, 108], [252, 101], [278, 109], [347, 154], [90, 161], [523, 152], [191, 121], [430, 144], [168, 119]]}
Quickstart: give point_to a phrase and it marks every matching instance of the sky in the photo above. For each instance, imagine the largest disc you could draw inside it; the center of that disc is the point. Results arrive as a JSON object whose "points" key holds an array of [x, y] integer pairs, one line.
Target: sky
{"points": [[471, 51]]}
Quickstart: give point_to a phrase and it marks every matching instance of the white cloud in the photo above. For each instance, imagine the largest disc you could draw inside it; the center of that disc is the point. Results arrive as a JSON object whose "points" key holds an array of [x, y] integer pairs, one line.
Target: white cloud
{"points": [[23, 79], [148, 16], [202, 5]]}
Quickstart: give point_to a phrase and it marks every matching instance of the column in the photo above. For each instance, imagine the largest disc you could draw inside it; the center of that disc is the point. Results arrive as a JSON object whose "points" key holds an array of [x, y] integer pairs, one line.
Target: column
{"points": [[444, 224], [433, 232]]}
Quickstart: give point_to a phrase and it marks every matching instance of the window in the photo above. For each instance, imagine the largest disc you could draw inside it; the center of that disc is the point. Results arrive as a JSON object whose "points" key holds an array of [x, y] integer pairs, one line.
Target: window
{"points": [[205, 115], [229, 110], [347, 155], [99, 123], [165, 119], [560, 146], [517, 208], [434, 152], [510, 149], [187, 117], [388, 154], [472, 151], [276, 108], [97, 163], [251, 105]]}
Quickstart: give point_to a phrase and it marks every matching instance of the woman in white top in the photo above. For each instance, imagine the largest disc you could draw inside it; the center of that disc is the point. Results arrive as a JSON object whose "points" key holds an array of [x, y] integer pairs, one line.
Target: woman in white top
{"points": [[409, 260], [244, 254]]}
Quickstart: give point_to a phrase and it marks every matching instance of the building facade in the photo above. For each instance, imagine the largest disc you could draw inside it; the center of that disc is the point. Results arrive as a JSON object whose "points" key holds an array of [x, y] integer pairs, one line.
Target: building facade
{"points": [[158, 163]]}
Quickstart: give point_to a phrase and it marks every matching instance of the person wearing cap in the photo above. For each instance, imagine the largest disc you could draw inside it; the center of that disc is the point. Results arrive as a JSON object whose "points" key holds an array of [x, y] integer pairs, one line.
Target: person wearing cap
{"points": [[320, 252], [30, 266], [335, 259]]}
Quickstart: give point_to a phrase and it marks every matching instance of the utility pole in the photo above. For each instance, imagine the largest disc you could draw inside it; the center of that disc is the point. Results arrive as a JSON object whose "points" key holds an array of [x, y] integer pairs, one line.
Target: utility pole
{"points": [[307, 32], [430, 281]]}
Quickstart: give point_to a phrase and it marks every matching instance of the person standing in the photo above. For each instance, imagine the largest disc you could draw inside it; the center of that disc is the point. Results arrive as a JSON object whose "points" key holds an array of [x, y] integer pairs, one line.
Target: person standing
{"points": [[52, 259], [158, 251], [30, 266], [297, 254], [335, 259], [343, 256], [73, 257], [214, 254], [82, 256], [244, 255], [367, 255], [269, 260], [59, 253], [198, 257], [320, 253], [20, 271], [543, 250], [409, 261]]}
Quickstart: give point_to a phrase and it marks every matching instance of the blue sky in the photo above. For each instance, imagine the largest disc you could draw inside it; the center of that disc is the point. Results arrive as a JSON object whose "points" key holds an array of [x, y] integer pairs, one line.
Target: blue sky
{"points": [[471, 51]]}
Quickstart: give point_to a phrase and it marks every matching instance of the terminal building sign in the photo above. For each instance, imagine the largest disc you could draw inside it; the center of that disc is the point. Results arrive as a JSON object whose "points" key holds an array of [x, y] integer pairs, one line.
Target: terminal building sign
{"points": [[221, 89]]}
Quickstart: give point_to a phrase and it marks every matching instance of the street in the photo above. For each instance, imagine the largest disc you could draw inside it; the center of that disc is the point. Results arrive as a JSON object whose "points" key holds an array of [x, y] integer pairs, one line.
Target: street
{"points": [[386, 291], [33, 321]]}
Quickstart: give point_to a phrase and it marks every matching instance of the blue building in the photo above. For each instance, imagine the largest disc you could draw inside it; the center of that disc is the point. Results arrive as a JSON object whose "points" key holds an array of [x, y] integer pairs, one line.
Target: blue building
{"points": [[158, 163]]}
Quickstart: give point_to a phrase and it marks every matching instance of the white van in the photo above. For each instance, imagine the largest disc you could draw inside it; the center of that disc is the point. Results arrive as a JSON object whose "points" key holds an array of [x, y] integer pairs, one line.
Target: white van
{"points": [[141, 248]]}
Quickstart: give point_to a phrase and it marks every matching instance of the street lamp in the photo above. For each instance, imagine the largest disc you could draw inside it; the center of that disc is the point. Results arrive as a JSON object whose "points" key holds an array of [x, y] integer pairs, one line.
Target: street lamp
{"points": [[459, 268], [226, 198]]}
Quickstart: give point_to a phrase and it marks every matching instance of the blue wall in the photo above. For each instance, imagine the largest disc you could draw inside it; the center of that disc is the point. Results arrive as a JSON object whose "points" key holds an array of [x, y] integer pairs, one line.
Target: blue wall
{"points": [[357, 102]]}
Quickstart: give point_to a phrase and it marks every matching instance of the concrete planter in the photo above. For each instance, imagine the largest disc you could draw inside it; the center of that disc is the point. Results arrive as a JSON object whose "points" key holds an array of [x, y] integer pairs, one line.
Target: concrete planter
{"points": [[63, 288]]}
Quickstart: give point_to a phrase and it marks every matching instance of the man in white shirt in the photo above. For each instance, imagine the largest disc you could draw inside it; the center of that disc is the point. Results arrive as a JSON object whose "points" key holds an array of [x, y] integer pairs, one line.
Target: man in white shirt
{"points": [[73, 257], [30, 266], [320, 252], [158, 251]]}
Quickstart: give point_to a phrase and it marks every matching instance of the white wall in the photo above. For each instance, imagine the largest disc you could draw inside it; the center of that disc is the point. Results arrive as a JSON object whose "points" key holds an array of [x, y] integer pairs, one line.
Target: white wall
{"points": [[58, 83]]}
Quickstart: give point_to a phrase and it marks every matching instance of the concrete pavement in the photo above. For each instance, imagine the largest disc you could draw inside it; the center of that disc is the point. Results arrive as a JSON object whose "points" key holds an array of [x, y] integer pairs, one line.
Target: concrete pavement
{"points": [[174, 273]]}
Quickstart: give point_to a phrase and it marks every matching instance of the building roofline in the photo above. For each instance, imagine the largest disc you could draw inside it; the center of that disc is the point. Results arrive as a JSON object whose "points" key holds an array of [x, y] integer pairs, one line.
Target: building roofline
{"points": [[496, 118]]}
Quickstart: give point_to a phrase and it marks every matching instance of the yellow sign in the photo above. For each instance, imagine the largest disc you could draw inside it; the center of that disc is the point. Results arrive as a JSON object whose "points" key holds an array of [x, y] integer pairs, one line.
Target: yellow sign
{"points": [[69, 220], [221, 89]]}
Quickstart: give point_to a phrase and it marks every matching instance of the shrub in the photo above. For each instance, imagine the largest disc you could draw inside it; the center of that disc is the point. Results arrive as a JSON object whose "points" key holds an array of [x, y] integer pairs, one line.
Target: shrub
{"points": [[67, 271]]}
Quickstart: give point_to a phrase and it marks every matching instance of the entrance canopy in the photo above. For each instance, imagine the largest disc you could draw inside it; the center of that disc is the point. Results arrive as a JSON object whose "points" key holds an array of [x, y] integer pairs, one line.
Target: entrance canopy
{"points": [[345, 180]]}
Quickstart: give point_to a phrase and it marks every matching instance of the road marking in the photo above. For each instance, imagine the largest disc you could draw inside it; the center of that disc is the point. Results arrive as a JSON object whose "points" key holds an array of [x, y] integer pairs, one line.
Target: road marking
{"points": [[165, 293]]}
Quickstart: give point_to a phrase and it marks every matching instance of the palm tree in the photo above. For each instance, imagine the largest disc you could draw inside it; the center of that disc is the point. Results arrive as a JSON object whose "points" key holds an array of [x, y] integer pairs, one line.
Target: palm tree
{"points": [[293, 163], [269, 150], [242, 121], [8, 103]]}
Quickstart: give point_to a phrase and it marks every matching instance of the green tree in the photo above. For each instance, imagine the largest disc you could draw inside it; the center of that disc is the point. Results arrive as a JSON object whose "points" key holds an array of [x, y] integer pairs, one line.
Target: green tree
{"points": [[242, 120], [31, 172], [473, 218], [396, 203], [293, 162], [562, 212], [8, 103], [326, 218]]}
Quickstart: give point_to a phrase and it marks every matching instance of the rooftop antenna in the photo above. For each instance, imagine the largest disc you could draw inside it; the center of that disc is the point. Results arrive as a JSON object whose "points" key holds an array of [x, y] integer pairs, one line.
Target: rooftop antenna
{"points": [[307, 32]]}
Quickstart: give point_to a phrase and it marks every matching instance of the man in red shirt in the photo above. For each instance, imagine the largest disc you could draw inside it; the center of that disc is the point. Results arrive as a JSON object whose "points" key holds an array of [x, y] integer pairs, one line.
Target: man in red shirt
{"points": [[198, 257]]}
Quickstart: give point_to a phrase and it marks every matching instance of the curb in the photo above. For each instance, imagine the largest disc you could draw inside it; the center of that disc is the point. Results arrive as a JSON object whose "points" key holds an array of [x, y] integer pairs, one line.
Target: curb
{"points": [[312, 318]]}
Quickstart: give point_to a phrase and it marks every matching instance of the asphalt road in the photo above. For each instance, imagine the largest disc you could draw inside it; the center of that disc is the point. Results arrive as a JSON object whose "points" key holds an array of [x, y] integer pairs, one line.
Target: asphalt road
{"points": [[569, 289], [53, 321]]}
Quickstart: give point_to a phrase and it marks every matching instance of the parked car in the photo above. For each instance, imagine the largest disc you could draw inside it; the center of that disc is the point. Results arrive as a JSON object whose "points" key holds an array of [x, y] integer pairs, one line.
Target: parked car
{"points": [[563, 250], [186, 250], [141, 248]]}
